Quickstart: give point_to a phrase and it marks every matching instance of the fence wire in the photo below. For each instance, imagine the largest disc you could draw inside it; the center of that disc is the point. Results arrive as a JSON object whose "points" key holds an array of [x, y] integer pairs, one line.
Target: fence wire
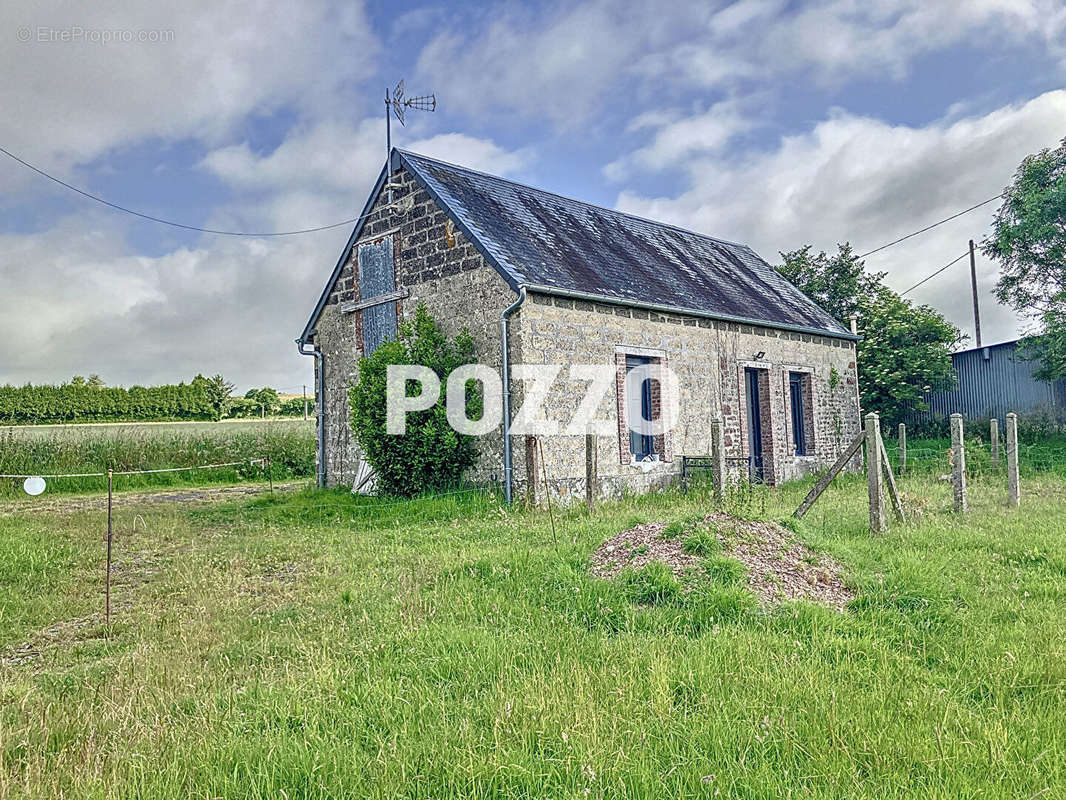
{"points": [[980, 462]]}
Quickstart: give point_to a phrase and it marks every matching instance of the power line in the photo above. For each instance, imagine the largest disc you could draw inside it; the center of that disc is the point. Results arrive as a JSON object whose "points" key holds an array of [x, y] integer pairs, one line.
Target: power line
{"points": [[161, 221], [934, 274], [930, 227]]}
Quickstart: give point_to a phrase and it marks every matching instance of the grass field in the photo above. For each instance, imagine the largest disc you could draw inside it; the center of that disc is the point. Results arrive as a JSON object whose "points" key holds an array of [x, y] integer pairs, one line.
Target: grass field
{"points": [[77, 449], [317, 645]]}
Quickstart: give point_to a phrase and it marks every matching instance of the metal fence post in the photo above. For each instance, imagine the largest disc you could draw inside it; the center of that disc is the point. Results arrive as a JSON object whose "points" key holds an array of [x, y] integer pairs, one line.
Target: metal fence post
{"points": [[958, 450], [591, 468], [718, 468], [902, 447], [110, 529], [1014, 491], [873, 473], [994, 435]]}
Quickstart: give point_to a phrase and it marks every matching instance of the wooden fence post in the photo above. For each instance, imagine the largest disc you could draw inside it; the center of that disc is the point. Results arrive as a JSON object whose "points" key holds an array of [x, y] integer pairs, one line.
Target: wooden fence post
{"points": [[718, 468], [1014, 491], [994, 434], [591, 468], [873, 473], [902, 447], [842, 461], [958, 450]]}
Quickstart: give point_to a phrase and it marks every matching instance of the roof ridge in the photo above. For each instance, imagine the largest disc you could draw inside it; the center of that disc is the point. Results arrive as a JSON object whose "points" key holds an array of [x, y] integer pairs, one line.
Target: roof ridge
{"points": [[649, 220]]}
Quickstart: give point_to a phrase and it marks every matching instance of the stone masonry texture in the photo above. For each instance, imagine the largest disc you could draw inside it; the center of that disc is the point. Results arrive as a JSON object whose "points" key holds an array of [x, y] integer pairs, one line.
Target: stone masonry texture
{"points": [[439, 266]]}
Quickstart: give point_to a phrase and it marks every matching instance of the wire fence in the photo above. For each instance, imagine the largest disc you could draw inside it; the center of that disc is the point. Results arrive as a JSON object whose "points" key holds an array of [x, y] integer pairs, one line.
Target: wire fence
{"points": [[253, 461], [981, 460], [14, 484]]}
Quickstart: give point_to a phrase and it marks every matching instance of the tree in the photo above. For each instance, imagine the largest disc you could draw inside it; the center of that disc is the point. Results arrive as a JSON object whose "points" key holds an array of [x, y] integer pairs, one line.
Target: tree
{"points": [[905, 350], [266, 398], [1029, 242], [218, 391], [836, 283], [1049, 345], [430, 455], [269, 400]]}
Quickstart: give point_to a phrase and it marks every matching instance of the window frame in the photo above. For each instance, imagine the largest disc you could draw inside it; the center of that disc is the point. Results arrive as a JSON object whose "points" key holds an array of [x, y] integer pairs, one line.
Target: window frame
{"points": [[800, 392], [653, 447]]}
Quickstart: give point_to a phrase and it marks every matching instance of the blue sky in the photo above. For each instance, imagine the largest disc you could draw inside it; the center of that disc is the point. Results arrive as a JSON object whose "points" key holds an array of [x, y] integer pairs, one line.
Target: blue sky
{"points": [[774, 123]]}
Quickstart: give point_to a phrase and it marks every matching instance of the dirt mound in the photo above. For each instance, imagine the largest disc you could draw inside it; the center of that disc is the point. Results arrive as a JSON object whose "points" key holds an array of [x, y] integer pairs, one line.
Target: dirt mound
{"points": [[637, 548], [779, 566]]}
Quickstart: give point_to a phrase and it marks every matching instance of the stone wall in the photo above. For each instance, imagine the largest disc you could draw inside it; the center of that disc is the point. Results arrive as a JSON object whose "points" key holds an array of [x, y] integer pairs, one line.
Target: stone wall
{"points": [[709, 359], [435, 264], [438, 266]]}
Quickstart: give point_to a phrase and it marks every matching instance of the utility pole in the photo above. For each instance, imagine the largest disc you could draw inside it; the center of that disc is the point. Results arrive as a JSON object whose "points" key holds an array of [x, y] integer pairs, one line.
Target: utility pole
{"points": [[305, 402], [976, 305]]}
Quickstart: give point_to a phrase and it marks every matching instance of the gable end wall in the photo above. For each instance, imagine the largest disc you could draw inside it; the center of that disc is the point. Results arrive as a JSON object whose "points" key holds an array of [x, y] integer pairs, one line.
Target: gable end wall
{"points": [[438, 265]]}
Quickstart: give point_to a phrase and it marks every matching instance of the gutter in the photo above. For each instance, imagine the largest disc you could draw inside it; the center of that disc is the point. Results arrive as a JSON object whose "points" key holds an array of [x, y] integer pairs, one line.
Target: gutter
{"points": [[505, 349], [320, 391], [689, 312]]}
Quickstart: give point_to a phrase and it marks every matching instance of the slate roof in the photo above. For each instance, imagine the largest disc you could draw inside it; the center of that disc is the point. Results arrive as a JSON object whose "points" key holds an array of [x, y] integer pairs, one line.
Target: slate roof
{"points": [[540, 239]]}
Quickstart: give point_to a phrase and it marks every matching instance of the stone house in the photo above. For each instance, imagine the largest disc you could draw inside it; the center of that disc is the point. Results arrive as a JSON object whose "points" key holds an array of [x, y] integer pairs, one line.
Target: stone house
{"points": [[540, 279]]}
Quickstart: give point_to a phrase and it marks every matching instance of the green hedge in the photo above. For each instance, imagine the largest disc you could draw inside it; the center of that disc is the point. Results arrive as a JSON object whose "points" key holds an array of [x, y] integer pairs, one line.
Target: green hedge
{"points": [[81, 402]]}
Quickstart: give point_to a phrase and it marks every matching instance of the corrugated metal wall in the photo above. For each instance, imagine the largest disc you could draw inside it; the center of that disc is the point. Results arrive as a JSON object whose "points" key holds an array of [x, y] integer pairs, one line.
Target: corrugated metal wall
{"points": [[993, 381]]}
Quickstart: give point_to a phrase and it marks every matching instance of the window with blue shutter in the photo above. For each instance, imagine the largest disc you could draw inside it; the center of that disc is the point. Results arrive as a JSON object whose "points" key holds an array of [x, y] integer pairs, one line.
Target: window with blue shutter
{"points": [[639, 411], [377, 277], [798, 388]]}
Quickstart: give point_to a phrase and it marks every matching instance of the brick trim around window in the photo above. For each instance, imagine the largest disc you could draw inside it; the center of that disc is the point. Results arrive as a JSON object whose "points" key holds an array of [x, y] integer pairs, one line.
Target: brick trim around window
{"points": [[662, 441]]}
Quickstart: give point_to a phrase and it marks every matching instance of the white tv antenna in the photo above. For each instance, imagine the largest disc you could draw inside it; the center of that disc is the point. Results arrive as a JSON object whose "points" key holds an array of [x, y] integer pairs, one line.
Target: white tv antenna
{"points": [[398, 104]]}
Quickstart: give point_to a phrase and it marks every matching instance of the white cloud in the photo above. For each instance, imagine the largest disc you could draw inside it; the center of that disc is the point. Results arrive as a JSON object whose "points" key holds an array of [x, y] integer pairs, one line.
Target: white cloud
{"points": [[87, 302], [570, 62], [71, 101], [860, 179], [469, 151], [324, 172], [677, 138], [330, 156], [559, 65]]}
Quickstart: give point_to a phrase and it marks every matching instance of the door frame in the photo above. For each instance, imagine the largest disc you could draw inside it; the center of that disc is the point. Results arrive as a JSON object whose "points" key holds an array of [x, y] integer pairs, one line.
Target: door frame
{"points": [[753, 397]]}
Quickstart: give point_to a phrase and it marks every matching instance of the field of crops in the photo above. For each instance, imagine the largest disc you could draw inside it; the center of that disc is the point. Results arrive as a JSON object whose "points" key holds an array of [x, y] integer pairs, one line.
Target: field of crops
{"points": [[77, 449]]}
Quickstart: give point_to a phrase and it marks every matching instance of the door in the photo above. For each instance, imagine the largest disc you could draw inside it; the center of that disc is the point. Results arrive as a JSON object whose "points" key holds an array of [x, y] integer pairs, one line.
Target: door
{"points": [[755, 465]]}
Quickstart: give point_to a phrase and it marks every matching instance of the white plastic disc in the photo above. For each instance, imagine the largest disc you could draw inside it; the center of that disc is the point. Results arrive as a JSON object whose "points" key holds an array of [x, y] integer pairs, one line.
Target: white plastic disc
{"points": [[34, 486]]}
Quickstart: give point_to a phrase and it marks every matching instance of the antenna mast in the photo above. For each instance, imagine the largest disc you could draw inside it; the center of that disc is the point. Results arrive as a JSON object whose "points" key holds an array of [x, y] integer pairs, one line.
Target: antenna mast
{"points": [[398, 105]]}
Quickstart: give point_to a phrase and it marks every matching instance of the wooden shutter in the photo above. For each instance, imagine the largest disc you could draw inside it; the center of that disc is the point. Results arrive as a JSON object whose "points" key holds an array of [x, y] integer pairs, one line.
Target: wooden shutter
{"points": [[377, 277]]}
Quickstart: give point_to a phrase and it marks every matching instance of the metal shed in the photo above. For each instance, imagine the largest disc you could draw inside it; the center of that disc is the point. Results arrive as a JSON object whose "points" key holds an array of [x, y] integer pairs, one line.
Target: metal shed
{"points": [[993, 381]]}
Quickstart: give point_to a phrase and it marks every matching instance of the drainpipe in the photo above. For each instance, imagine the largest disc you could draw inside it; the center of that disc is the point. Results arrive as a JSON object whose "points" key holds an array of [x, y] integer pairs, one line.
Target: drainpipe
{"points": [[506, 364], [320, 374]]}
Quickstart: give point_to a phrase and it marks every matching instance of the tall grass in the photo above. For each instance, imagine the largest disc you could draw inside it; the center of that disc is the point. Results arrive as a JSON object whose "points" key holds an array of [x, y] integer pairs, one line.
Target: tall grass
{"points": [[291, 647], [289, 446]]}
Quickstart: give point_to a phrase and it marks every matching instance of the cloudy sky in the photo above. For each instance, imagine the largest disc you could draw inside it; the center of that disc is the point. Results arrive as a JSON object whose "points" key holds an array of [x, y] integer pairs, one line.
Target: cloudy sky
{"points": [[770, 122]]}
